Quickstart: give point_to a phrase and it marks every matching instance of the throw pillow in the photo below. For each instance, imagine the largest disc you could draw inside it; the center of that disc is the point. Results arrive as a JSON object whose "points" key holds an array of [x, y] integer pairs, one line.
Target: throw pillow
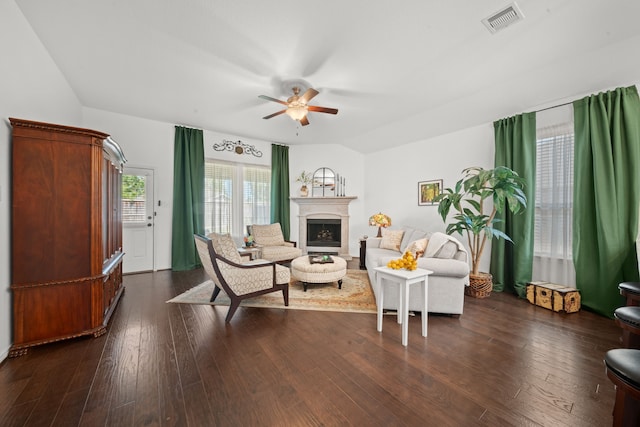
{"points": [[436, 241], [224, 245], [447, 251], [417, 247], [391, 239]]}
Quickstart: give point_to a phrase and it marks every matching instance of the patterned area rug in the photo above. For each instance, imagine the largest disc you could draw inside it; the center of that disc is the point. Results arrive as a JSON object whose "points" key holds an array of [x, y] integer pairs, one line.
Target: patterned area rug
{"points": [[355, 296]]}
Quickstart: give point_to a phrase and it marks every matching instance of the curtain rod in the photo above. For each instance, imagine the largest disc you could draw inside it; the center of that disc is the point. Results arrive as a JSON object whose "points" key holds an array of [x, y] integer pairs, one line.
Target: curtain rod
{"points": [[553, 106], [571, 102]]}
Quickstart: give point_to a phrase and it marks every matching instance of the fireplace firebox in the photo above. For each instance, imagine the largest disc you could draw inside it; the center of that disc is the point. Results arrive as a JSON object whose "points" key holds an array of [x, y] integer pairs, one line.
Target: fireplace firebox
{"points": [[324, 232]]}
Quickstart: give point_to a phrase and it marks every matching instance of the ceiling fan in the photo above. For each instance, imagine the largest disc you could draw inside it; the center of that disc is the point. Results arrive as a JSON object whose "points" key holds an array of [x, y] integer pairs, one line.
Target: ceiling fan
{"points": [[297, 105]]}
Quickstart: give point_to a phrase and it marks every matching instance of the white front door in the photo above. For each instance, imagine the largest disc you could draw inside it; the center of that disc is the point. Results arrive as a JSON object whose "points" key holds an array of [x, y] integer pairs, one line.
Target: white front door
{"points": [[137, 219]]}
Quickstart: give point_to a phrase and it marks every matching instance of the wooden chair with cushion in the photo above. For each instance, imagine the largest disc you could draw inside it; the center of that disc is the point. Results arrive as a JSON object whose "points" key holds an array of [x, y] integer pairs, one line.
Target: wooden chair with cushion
{"points": [[631, 292], [623, 369], [271, 240], [628, 318], [221, 260]]}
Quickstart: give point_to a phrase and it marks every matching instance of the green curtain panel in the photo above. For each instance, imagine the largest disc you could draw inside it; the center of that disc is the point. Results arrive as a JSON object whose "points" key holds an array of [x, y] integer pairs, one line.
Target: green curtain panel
{"points": [[280, 209], [515, 147], [606, 195], [188, 197]]}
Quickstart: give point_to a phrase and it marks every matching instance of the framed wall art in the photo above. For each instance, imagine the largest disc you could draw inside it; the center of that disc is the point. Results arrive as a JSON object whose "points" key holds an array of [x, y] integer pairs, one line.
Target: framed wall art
{"points": [[427, 191]]}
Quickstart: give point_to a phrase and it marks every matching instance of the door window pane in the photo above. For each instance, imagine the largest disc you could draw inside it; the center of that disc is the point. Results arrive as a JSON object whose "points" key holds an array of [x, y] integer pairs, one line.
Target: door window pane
{"points": [[134, 198]]}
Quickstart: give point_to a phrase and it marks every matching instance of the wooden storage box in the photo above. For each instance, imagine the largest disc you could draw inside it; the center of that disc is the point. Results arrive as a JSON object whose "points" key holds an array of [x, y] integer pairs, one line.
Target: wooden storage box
{"points": [[554, 297]]}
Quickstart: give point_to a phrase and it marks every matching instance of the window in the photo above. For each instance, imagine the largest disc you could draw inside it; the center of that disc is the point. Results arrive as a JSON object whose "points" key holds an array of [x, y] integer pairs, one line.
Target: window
{"points": [[554, 192], [552, 246], [236, 195]]}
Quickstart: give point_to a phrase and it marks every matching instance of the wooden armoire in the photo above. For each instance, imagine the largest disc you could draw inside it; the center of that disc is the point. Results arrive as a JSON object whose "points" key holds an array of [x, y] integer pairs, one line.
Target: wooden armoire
{"points": [[66, 232]]}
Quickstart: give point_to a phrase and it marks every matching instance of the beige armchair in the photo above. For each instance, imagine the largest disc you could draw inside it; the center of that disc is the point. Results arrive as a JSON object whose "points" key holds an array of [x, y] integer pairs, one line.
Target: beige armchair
{"points": [[222, 262], [271, 240]]}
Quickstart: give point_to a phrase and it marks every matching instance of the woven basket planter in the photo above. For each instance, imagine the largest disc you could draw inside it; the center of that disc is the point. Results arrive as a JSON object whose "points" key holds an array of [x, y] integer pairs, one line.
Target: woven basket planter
{"points": [[480, 285]]}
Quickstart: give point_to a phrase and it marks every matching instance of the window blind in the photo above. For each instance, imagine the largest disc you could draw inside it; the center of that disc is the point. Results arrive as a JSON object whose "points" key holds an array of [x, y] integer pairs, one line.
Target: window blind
{"points": [[257, 199], [236, 195], [554, 191], [218, 197]]}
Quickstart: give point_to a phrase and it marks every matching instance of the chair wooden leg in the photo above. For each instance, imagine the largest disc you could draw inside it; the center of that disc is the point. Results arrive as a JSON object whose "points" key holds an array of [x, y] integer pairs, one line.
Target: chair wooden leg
{"points": [[625, 410], [214, 295], [285, 295], [235, 303]]}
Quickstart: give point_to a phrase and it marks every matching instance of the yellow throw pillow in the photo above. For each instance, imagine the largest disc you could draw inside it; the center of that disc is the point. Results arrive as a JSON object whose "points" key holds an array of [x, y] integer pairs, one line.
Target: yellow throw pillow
{"points": [[417, 247], [391, 239]]}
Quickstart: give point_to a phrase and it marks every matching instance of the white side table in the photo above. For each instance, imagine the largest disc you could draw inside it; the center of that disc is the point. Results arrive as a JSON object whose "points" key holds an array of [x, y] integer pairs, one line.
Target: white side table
{"points": [[404, 279]]}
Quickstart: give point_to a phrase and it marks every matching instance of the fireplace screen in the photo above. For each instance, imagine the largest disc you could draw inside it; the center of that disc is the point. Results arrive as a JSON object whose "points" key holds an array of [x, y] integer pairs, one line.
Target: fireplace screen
{"points": [[323, 232]]}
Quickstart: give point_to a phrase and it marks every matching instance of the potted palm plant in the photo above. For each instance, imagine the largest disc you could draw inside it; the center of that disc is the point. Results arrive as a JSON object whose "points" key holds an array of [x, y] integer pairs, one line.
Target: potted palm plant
{"points": [[476, 218]]}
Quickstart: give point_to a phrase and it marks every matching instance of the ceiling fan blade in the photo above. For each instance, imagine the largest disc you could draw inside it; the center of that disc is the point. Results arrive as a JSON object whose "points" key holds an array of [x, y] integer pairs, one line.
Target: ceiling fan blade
{"points": [[322, 109], [268, 98], [274, 114], [310, 93], [304, 121]]}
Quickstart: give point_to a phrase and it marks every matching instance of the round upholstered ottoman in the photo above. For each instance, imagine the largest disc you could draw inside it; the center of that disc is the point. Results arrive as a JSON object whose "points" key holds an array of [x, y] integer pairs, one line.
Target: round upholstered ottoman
{"points": [[304, 270]]}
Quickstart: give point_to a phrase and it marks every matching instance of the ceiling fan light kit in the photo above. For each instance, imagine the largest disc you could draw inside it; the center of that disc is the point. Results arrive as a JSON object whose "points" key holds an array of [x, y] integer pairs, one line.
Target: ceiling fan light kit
{"points": [[297, 112], [297, 106]]}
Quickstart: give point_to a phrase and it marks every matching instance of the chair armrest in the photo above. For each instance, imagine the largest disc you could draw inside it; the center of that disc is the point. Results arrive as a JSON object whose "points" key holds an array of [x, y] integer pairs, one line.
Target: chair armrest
{"points": [[262, 263], [290, 243]]}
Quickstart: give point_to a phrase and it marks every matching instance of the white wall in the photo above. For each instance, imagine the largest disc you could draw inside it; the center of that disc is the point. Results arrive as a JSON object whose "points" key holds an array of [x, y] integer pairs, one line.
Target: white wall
{"points": [[343, 161], [392, 176], [31, 88]]}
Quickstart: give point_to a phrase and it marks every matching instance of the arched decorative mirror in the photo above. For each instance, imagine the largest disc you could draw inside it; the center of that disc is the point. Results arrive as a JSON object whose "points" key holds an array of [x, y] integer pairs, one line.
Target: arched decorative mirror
{"points": [[324, 183]]}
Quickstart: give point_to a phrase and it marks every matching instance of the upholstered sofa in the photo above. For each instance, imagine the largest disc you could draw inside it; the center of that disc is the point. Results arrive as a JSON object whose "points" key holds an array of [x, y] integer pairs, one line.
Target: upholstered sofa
{"points": [[443, 254]]}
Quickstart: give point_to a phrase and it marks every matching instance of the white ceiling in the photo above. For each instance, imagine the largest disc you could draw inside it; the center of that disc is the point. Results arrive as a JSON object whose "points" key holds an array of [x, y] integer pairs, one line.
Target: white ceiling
{"points": [[397, 71]]}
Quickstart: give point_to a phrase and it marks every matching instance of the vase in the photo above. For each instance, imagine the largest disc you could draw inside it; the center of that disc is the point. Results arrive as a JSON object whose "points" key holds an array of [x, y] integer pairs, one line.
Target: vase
{"points": [[304, 191], [480, 285]]}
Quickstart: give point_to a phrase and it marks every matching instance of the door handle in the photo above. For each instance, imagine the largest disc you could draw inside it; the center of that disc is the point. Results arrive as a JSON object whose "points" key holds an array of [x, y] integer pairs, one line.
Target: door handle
{"points": [[149, 225]]}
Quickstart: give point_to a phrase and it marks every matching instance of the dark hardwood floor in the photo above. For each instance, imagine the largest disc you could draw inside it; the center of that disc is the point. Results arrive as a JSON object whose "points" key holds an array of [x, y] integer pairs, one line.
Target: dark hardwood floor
{"points": [[503, 362]]}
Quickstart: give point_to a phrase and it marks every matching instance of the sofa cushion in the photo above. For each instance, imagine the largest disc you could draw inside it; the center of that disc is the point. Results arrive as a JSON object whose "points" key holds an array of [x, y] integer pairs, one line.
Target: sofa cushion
{"points": [[377, 257], [391, 239], [406, 238], [280, 253], [444, 267]]}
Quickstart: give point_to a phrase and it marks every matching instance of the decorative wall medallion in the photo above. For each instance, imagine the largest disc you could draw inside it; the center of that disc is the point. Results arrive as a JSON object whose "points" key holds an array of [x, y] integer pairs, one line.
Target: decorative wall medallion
{"points": [[238, 146]]}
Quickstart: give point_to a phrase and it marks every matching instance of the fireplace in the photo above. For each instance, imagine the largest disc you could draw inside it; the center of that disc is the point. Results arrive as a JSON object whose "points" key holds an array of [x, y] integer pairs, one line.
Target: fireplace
{"points": [[324, 232], [324, 225]]}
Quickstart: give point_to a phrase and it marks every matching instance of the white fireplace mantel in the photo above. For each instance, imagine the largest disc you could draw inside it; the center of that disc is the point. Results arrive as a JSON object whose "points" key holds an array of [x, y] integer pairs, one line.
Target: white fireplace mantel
{"points": [[324, 208]]}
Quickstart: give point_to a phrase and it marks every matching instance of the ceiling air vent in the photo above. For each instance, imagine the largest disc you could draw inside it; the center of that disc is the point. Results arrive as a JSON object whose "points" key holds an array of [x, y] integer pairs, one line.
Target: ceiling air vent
{"points": [[503, 18]]}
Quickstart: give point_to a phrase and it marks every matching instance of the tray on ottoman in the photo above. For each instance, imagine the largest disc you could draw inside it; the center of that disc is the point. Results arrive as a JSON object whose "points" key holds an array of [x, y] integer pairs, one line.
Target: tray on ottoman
{"points": [[320, 259]]}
